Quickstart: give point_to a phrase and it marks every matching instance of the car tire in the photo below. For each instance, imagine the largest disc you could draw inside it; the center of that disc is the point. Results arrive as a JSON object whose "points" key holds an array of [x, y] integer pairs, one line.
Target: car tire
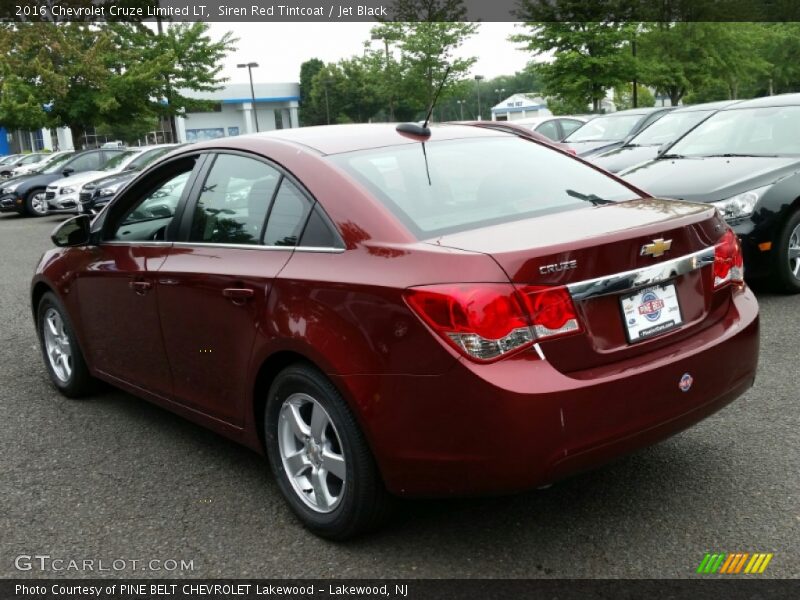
{"points": [[62, 355], [35, 203], [786, 261], [319, 456]]}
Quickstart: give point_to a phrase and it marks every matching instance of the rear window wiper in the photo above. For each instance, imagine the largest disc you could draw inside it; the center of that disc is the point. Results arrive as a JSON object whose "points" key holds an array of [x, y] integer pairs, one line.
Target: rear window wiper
{"points": [[594, 199]]}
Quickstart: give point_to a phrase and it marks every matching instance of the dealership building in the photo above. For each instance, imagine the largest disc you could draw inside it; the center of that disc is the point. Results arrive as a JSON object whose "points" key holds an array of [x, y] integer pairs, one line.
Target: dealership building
{"points": [[234, 112]]}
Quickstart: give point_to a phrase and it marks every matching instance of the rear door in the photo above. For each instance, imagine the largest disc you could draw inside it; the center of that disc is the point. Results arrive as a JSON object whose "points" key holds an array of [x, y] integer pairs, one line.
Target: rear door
{"points": [[214, 284]]}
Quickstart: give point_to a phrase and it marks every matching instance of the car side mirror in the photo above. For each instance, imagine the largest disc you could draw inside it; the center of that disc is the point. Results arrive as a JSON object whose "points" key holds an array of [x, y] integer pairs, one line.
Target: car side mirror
{"points": [[68, 171], [73, 232]]}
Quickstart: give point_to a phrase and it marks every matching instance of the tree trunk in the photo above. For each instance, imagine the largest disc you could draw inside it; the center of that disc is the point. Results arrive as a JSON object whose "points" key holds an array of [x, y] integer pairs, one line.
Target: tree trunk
{"points": [[77, 132]]}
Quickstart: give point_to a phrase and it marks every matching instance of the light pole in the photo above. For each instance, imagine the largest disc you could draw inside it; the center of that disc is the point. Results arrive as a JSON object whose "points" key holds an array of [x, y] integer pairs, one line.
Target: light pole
{"points": [[500, 93], [478, 79], [461, 108], [250, 66]]}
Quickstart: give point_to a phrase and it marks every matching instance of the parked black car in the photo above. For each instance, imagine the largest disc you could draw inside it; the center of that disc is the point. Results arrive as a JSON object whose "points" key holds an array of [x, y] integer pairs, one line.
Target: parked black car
{"points": [[606, 132], [26, 194], [96, 194], [656, 138], [745, 160]]}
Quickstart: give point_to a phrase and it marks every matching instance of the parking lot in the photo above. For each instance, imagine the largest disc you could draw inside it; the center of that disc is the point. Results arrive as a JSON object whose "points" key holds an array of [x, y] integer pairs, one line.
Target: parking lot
{"points": [[113, 477]]}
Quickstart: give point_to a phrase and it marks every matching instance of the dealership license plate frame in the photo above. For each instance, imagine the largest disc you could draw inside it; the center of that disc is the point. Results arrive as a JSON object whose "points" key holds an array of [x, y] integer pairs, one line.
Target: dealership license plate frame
{"points": [[667, 292]]}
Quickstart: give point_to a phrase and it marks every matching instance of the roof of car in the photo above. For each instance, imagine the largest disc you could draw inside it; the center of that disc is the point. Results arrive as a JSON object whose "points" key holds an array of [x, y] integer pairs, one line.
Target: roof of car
{"points": [[335, 139], [636, 111], [720, 105], [779, 100]]}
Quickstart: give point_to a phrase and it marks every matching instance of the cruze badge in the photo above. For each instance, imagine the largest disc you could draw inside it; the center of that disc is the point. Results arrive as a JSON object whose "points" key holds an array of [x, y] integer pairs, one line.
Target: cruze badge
{"points": [[558, 267], [656, 248]]}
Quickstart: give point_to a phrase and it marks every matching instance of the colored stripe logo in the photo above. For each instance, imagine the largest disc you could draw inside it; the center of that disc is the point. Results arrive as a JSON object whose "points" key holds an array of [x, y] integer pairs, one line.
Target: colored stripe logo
{"points": [[734, 563]]}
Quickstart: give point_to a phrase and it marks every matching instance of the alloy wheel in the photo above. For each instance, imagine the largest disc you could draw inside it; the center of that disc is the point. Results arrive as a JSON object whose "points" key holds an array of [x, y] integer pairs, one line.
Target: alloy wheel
{"points": [[39, 203], [57, 345], [311, 453], [794, 252]]}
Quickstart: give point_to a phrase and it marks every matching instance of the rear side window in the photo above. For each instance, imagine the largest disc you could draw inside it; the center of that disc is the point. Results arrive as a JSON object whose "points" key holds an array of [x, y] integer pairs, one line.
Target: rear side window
{"points": [[287, 217], [234, 201], [318, 232], [456, 185]]}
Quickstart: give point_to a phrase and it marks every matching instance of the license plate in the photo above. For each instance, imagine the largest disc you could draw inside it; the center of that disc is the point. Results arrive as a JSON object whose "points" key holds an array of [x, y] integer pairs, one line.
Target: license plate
{"points": [[651, 311]]}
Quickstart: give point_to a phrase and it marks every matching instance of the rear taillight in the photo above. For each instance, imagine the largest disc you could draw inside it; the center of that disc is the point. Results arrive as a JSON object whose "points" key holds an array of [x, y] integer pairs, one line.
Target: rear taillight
{"points": [[552, 311], [728, 261], [487, 321]]}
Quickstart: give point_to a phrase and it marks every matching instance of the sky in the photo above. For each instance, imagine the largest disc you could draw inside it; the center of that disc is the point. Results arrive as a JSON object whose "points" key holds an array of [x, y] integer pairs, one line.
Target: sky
{"points": [[280, 48]]}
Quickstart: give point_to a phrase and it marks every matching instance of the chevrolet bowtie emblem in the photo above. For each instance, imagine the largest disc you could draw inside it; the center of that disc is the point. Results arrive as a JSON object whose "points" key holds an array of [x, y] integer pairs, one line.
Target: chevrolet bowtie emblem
{"points": [[657, 248]]}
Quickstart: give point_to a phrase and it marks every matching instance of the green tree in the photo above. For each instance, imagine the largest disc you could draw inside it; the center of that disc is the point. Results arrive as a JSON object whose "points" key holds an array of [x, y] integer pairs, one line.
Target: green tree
{"points": [[427, 34], [82, 75], [677, 58], [310, 112], [588, 57]]}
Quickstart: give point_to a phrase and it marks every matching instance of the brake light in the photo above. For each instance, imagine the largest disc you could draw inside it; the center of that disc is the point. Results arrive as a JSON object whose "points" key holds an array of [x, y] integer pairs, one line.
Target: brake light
{"points": [[486, 321], [728, 260], [552, 311]]}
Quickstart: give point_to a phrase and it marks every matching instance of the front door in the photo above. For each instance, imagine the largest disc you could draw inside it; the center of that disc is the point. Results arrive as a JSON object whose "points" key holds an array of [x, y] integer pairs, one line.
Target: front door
{"points": [[117, 292]]}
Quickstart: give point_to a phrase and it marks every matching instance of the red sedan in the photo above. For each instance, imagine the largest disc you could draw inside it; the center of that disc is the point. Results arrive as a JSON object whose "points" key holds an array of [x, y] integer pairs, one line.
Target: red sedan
{"points": [[384, 313]]}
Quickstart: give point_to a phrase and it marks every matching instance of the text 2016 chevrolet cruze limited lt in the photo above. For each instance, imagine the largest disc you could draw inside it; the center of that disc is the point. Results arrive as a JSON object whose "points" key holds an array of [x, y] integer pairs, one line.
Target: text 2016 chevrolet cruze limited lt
{"points": [[389, 313]]}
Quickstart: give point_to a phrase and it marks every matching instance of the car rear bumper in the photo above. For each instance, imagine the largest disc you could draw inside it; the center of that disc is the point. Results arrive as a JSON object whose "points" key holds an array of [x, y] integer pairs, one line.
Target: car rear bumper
{"points": [[519, 423]]}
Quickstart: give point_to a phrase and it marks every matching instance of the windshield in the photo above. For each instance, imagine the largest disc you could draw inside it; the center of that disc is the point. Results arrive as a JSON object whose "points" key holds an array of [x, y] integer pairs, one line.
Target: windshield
{"points": [[605, 129], [766, 131], [669, 128], [118, 160], [8, 159], [56, 162], [146, 158], [31, 159], [473, 183]]}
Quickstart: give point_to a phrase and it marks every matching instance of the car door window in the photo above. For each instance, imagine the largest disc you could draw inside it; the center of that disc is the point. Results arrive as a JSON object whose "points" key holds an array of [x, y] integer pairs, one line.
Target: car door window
{"points": [[569, 125], [287, 217], [234, 201], [149, 218], [549, 129]]}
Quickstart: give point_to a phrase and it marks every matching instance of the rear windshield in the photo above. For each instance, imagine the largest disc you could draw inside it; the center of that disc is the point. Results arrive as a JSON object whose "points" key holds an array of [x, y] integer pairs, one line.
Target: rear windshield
{"points": [[456, 185]]}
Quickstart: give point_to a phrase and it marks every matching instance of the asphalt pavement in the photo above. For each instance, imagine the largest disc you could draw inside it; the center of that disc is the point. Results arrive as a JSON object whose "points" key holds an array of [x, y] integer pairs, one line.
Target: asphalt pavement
{"points": [[113, 478]]}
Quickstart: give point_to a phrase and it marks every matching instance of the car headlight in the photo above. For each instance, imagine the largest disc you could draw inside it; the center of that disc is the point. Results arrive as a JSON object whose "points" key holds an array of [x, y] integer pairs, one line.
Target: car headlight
{"points": [[67, 190], [741, 205], [10, 189], [108, 191]]}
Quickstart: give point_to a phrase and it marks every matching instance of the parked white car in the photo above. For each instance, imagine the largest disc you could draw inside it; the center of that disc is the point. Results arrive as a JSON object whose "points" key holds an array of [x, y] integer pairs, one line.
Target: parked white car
{"points": [[554, 127], [27, 169], [7, 170], [62, 195]]}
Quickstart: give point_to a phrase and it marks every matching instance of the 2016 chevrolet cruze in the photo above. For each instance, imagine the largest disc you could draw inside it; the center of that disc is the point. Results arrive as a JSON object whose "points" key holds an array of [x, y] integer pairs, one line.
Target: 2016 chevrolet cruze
{"points": [[392, 311]]}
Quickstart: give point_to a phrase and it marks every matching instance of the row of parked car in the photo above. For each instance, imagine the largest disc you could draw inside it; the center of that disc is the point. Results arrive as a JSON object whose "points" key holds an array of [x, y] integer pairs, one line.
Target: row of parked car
{"points": [[743, 156], [71, 181]]}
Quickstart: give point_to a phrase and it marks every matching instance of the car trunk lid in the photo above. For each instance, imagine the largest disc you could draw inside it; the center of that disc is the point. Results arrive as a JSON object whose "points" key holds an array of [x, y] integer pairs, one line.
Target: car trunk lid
{"points": [[599, 245]]}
